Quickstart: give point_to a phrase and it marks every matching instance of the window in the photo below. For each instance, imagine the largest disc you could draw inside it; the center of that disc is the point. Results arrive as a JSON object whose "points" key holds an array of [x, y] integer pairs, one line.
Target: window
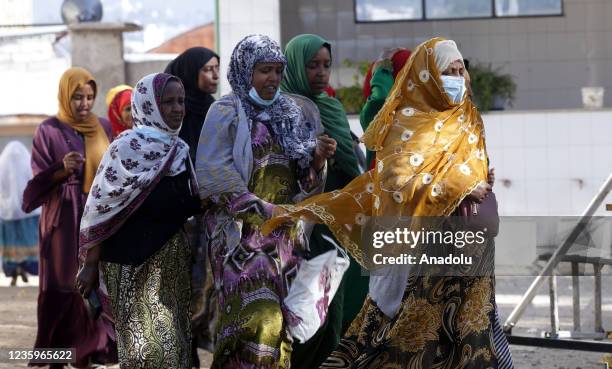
{"points": [[394, 10], [514, 8], [444, 9], [385, 10]]}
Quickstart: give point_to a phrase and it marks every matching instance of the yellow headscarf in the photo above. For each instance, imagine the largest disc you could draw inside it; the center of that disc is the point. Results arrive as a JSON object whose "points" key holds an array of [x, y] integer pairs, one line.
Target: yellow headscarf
{"points": [[430, 154], [110, 95], [96, 140]]}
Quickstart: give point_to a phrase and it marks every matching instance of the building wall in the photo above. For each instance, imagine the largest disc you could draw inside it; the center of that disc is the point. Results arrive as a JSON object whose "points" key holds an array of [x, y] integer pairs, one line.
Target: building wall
{"points": [[16, 11], [98, 47], [19, 127], [546, 163], [239, 18], [137, 69], [549, 162], [26, 140], [551, 58], [30, 69]]}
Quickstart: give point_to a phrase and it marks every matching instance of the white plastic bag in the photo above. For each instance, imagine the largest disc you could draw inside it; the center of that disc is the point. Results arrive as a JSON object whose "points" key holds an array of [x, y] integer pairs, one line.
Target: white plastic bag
{"points": [[313, 288]]}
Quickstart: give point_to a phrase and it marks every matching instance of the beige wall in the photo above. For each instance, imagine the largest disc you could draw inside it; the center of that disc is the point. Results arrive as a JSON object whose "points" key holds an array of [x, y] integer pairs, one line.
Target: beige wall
{"points": [[102, 54], [19, 127], [135, 70], [550, 57], [98, 47]]}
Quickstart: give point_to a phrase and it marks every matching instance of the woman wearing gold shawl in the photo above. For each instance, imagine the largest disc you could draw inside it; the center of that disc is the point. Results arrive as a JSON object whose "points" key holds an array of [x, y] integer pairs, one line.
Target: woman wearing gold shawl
{"points": [[431, 155]]}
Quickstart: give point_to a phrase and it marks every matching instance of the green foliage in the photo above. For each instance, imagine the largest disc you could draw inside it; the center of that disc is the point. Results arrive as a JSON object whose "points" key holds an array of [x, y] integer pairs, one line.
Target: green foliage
{"points": [[488, 83], [351, 97], [361, 69]]}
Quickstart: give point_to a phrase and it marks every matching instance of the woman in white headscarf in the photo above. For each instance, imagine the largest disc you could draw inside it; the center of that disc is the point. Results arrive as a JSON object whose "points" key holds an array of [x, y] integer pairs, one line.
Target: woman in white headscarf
{"points": [[132, 234], [431, 161], [18, 230]]}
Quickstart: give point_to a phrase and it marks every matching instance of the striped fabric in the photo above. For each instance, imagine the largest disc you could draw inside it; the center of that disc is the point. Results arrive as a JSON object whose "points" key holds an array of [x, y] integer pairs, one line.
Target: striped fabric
{"points": [[501, 345]]}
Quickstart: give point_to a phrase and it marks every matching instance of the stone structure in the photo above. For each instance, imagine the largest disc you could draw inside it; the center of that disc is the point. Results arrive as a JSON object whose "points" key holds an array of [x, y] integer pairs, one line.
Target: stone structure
{"points": [[99, 48]]}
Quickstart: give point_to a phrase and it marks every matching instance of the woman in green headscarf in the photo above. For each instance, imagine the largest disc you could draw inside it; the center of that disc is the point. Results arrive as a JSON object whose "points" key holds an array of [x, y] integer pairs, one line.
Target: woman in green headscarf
{"points": [[307, 74]]}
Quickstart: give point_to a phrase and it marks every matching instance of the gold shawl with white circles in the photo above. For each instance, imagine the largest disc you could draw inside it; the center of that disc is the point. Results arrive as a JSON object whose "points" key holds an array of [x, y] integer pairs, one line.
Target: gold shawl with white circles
{"points": [[430, 154]]}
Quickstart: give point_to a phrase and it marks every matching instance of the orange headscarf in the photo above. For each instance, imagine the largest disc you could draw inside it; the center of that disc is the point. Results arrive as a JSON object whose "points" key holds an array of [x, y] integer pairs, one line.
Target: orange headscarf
{"points": [[430, 154], [96, 140]]}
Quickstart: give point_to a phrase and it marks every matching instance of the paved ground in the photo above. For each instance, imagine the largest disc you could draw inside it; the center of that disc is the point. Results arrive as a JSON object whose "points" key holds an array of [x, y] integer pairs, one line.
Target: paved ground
{"points": [[18, 321], [536, 319]]}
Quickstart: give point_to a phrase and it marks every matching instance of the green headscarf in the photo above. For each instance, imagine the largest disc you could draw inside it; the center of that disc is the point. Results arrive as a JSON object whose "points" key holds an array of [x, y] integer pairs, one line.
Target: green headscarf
{"points": [[299, 51]]}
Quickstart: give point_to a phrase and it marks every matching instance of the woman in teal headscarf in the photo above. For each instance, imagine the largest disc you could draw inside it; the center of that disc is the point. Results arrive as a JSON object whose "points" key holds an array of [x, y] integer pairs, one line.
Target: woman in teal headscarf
{"points": [[307, 74]]}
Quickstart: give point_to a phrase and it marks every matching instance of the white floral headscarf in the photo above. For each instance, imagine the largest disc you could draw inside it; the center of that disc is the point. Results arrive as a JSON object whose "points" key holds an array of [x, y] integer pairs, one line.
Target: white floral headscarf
{"points": [[134, 163]]}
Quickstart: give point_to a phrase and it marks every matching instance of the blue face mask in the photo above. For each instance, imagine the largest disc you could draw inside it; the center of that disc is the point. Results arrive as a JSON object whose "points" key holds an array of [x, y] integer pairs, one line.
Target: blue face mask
{"points": [[454, 87], [259, 101]]}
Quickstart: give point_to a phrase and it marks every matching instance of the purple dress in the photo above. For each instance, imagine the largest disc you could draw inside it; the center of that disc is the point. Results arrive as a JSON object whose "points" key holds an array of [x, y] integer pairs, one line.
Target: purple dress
{"points": [[63, 320]]}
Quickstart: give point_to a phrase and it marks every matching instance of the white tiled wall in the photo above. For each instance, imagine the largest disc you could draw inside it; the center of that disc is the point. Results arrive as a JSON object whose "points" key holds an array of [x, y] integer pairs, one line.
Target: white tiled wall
{"points": [[550, 162], [239, 18], [547, 162]]}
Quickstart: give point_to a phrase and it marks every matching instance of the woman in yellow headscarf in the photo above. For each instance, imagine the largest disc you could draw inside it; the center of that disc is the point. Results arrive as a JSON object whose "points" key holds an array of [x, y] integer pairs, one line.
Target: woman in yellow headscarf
{"points": [[66, 152], [431, 156], [119, 103]]}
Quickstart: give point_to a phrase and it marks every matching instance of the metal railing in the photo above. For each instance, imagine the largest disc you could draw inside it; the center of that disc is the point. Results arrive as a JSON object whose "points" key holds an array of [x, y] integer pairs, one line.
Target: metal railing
{"points": [[548, 273]]}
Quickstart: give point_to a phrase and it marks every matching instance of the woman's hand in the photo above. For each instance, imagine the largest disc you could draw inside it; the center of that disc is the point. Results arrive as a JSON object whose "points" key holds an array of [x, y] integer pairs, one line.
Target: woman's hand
{"points": [[87, 279], [205, 203], [388, 53], [326, 148], [72, 162], [491, 177], [479, 193]]}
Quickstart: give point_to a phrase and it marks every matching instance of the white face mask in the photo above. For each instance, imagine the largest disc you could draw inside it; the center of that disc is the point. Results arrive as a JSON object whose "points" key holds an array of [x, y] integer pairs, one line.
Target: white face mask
{"points": [[454, 87], [261, 102]]}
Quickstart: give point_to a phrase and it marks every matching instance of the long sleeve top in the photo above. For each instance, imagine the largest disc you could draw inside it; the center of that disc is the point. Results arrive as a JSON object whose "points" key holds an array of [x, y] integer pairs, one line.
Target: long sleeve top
{"points": [[381, 84]]}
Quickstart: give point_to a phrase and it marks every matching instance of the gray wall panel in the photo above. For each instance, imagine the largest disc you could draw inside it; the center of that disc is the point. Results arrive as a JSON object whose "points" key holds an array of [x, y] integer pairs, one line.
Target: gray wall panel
{"points": [[550, 57]]}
